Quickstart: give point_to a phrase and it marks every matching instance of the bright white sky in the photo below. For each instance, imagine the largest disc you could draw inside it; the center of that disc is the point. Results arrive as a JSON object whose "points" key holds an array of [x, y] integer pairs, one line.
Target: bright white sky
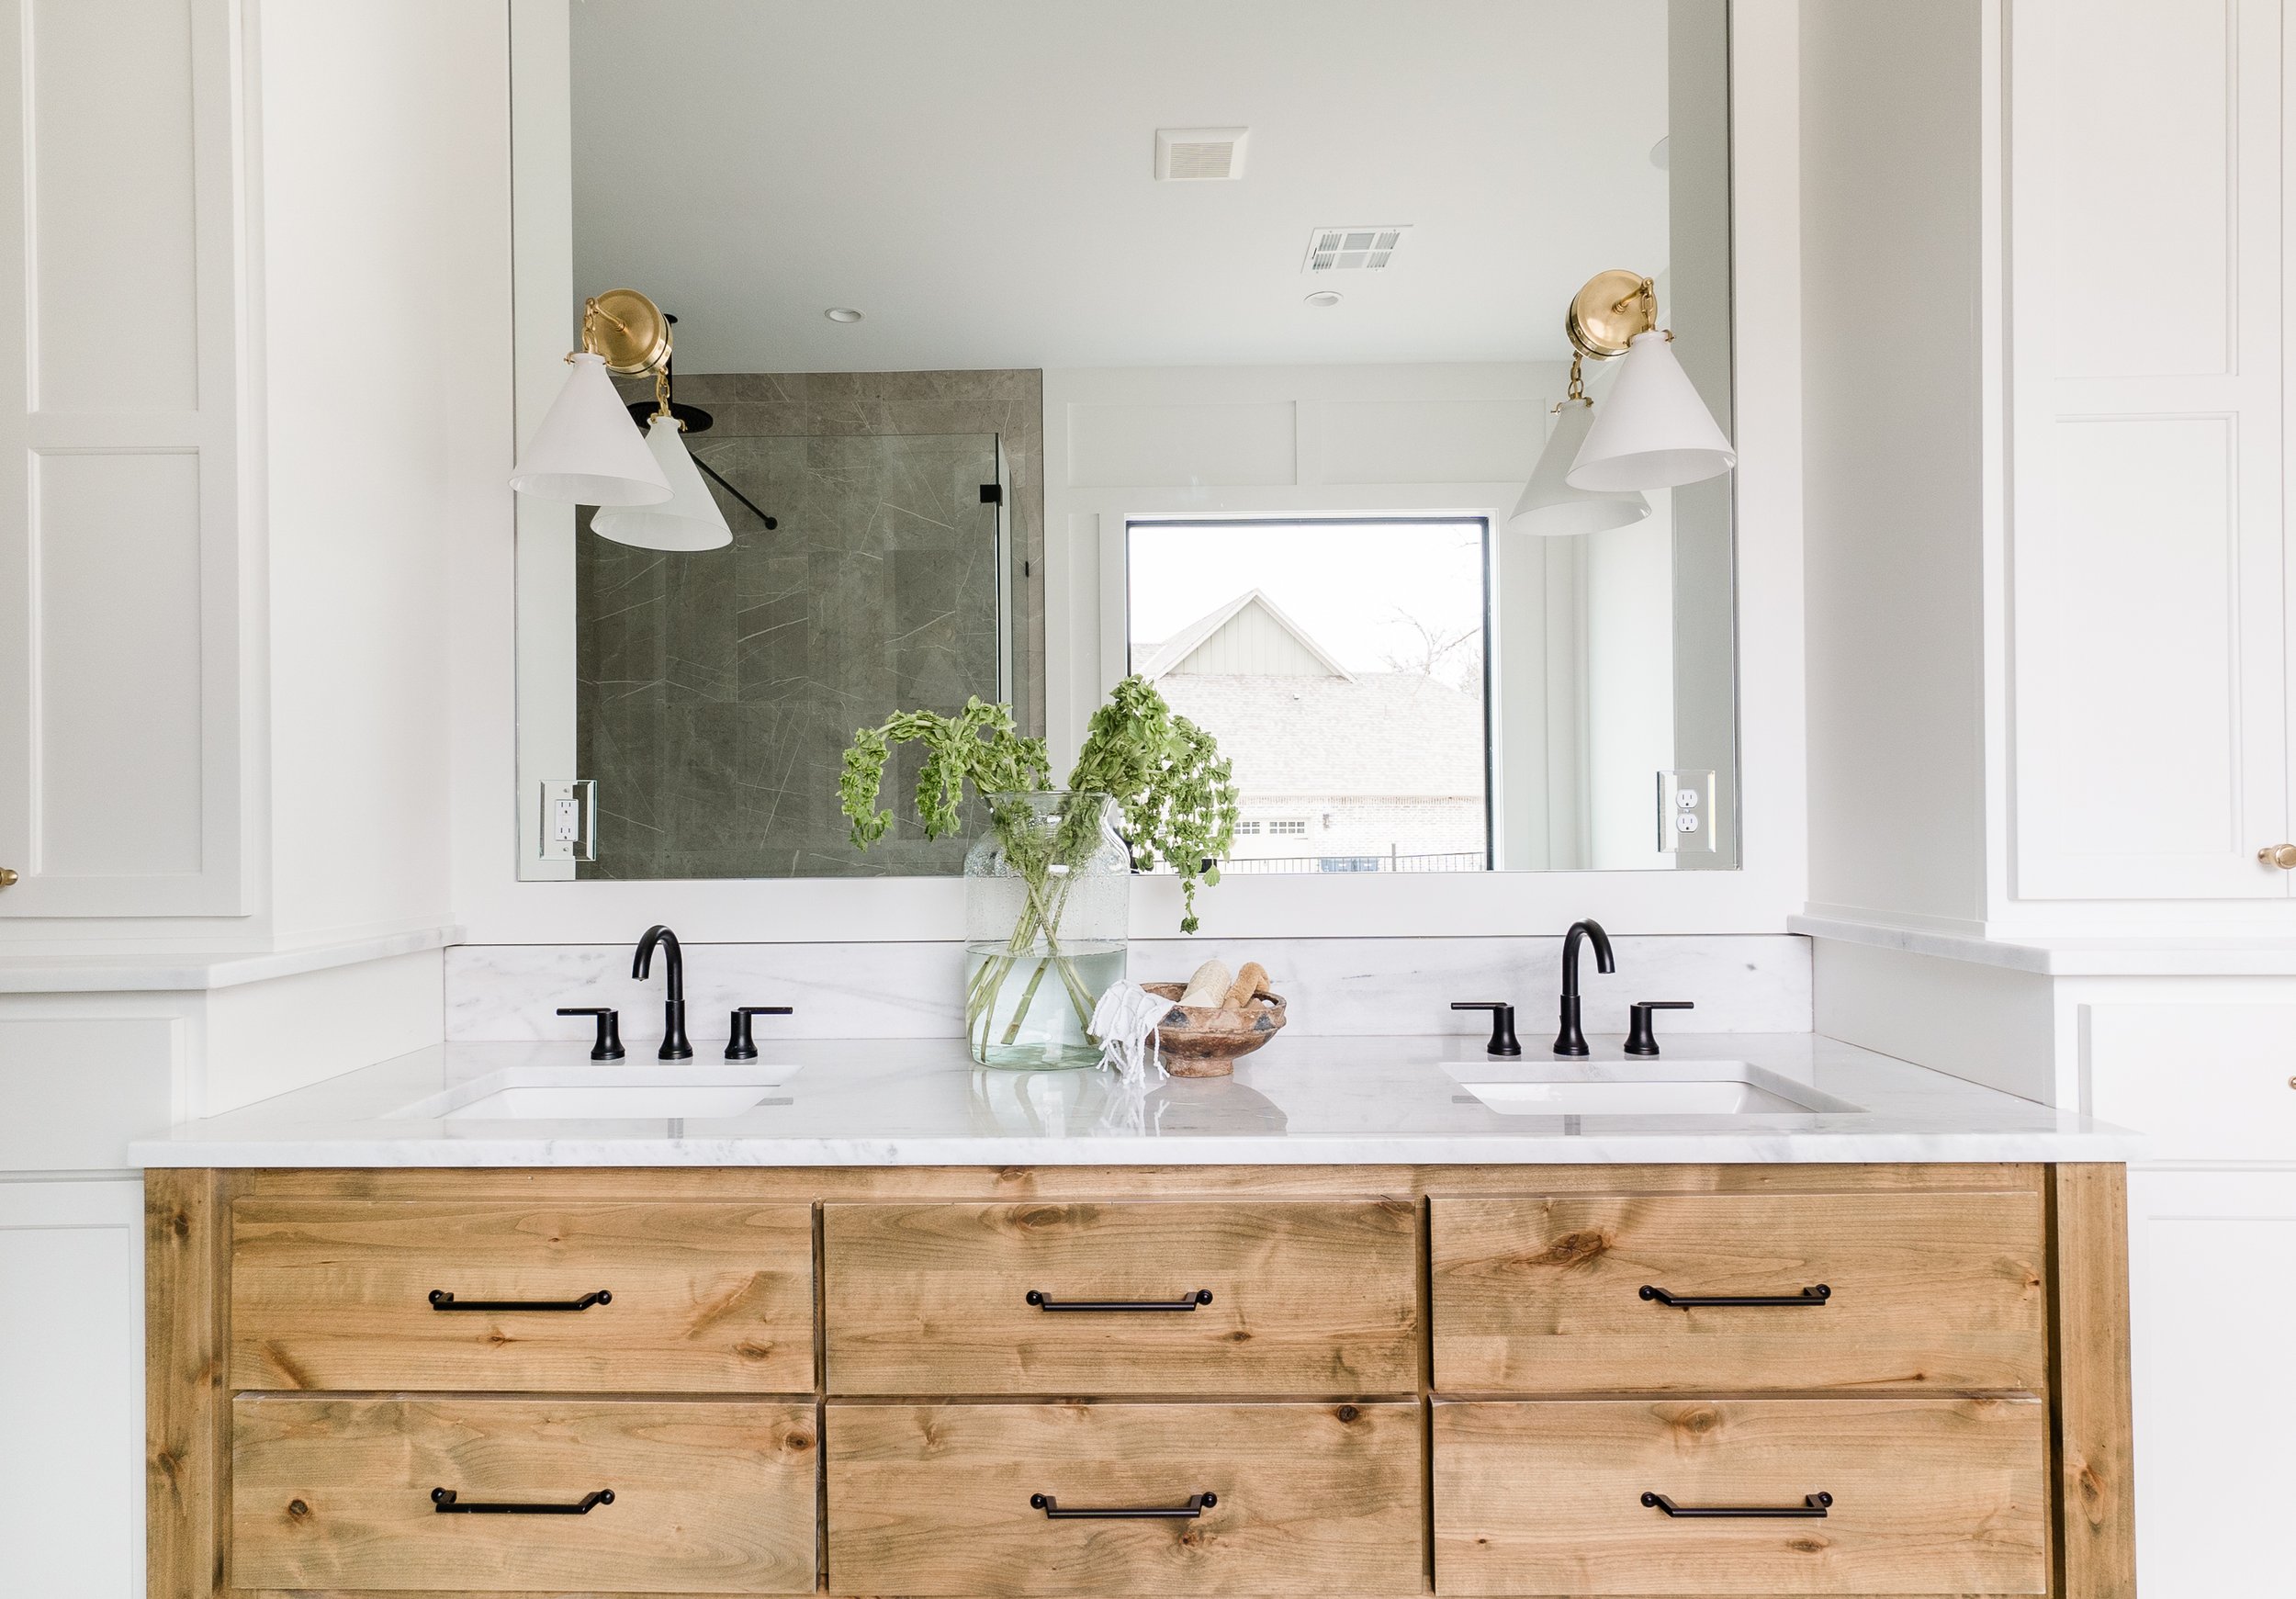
{"points": [[1347, 584]]}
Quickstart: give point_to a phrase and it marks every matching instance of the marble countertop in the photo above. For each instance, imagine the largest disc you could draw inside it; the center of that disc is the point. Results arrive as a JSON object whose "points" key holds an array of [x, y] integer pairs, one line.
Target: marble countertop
{"points": [[1301, 1101]]}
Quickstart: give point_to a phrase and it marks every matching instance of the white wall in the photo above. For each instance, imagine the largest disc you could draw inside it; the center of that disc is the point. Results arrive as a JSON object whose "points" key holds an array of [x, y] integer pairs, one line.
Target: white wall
{"points": [[1893, 483], [387, 342]]}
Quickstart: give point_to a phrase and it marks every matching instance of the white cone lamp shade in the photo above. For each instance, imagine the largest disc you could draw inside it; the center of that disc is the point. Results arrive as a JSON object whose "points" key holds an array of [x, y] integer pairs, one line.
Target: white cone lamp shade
{"points": [[587, 452], [688, 519], [1551, 507], [1652, 430]]}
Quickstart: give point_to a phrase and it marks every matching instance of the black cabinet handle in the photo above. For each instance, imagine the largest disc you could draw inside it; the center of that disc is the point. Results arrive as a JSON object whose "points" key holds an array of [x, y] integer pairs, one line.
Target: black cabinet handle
{"points": [[1812, 1508], [443, 1300], [443, 1500], [1818, 1295], [1197, 1504], [1203, 1296]]}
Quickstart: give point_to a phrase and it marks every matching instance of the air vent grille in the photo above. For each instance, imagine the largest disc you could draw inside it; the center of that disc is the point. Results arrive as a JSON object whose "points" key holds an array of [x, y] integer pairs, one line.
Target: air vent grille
{"points": [[1199, 154], [1362, 249]]}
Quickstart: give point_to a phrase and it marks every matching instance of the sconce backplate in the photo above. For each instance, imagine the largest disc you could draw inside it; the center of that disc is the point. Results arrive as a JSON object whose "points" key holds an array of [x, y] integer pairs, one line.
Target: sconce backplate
{"points": [[1608, 312], [629, 330]]}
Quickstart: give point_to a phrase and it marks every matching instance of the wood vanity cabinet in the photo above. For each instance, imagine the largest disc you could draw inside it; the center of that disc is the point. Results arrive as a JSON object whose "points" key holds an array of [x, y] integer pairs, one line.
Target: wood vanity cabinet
{"points": [[966, 1383]]}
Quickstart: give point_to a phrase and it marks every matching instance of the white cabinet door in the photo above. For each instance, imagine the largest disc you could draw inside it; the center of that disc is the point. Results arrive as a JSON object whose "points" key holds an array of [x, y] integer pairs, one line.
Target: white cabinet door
{"points": [[72, 1388], [2148, 704], [121, 595], [2212, 1300]]}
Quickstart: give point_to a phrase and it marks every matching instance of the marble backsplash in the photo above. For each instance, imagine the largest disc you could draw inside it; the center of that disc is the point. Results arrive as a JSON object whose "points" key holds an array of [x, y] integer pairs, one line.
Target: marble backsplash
{"points": [[1740, 983]]}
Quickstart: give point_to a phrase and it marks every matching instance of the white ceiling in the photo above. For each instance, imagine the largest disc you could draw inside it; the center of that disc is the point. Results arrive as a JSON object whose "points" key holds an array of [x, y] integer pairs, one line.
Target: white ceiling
{"points": [[976, 175]]}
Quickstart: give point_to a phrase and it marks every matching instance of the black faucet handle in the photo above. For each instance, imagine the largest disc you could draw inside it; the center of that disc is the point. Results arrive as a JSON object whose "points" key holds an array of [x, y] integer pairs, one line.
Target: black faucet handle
{"points": [[739, 1045], [1503, 1040], [608, 1046], [1640, 1040]]}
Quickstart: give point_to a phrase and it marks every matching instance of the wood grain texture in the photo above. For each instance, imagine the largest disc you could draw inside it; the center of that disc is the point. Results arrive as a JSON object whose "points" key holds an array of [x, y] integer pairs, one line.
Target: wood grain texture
{"points": [[707, 1297], [1936, 1292], [184, 1443], [2095, 1454], [1930, 1496], [1314, 1298], [933, 1500], [711, 1496]]}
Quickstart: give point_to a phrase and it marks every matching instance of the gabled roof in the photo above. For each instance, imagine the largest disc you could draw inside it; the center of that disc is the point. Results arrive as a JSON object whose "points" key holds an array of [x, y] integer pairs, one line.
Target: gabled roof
{"points": [[1173, 653]]}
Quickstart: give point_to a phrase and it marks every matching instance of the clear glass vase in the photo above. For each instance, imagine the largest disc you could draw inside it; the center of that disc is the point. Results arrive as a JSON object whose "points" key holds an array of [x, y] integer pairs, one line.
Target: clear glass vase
{"points": [[1047, 908]]}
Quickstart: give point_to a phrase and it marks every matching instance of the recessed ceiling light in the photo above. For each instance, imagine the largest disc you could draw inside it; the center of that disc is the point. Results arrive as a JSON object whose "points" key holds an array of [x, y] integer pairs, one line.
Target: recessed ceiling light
{"points": [[1322, 300], [842, 313]]}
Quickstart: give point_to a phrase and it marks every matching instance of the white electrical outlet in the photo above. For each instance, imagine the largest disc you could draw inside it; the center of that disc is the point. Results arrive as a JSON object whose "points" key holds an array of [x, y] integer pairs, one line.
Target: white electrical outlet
{"points": [[1685, 806], [569, 818]]}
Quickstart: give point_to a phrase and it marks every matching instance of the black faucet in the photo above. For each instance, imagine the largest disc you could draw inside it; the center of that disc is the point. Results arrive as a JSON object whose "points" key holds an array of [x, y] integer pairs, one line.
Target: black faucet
{"points": [[674, 1046], [1570, 1040]]}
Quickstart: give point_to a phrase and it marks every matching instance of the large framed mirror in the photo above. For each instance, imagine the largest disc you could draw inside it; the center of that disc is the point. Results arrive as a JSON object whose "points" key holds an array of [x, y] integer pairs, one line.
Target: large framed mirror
{"points": [[1024, 345]]}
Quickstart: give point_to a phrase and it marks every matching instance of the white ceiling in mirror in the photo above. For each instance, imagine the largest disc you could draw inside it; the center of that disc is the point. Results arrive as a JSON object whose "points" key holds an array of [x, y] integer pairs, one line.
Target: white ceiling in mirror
{"points": [[980, 178]]}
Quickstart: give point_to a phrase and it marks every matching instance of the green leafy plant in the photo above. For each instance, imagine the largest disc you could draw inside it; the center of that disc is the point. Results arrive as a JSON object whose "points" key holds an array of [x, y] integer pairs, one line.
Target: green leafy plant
{"points": [[1174, 795]]}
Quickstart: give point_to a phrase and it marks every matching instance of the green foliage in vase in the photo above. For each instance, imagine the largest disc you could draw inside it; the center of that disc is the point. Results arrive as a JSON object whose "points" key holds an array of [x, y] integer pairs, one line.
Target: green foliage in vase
{"points": [[1175, 790]]}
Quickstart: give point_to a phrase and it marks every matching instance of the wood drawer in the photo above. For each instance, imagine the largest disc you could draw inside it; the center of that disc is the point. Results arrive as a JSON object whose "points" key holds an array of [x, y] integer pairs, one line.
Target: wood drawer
{"points": [[701, 1298], [713, 1496], [1930, 1496], [935, 1500], [1317, 1297], [1926, 1291]]}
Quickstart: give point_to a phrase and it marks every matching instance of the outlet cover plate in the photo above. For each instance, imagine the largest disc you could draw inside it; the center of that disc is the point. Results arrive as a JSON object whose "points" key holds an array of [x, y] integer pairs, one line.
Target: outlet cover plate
{"points": [[1685, 810], [569, 818]]}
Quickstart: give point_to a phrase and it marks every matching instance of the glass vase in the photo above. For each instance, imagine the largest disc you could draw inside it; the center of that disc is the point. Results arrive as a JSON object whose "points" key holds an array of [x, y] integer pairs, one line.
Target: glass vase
{"points": [[1047, 909]]}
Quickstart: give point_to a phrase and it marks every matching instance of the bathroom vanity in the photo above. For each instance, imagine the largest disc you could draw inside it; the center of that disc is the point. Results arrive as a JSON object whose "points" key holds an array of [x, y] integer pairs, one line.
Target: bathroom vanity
{"points": [[1372, 1319]]}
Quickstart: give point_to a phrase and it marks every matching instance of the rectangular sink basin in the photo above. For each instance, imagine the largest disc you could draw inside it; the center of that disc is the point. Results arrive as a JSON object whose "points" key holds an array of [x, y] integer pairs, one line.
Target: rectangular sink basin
{"points": [[1640, 1088], [651, 1091]]}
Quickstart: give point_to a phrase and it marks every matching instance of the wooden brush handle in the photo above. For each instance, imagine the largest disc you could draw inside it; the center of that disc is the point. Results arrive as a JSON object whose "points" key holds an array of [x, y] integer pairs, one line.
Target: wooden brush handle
{"points": [[1246, 986]]}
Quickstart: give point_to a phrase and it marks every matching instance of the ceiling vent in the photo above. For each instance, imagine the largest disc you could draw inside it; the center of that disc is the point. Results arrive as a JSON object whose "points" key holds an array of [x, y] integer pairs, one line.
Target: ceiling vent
{"points": [[1366, 249], [1199, 154]]}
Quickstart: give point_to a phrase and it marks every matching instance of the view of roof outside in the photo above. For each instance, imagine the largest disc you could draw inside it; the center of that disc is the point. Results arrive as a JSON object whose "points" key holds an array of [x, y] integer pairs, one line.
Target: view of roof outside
{"points": [[1339, 664]]}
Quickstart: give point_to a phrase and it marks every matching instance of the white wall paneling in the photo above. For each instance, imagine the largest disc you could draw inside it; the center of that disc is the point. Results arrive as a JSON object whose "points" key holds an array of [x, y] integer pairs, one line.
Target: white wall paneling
{"points": [[122, 728], [71, 1401], [2149, 711], [2211, 1299], [81, 1076]]}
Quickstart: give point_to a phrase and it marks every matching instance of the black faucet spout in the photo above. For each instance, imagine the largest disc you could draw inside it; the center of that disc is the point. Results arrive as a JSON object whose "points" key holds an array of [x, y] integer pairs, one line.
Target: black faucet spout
{"points": [[674, 1044], [1571, 1037]]}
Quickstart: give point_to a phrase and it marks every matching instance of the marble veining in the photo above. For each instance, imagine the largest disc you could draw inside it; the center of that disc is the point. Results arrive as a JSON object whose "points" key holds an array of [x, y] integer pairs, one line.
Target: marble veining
{"points": [[1301, 1101], [504, 993]]}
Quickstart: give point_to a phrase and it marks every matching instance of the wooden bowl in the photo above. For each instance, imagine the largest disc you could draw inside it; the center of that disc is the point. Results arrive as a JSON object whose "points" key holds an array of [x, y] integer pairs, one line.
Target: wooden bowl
{"points": [[1197, 1040]]}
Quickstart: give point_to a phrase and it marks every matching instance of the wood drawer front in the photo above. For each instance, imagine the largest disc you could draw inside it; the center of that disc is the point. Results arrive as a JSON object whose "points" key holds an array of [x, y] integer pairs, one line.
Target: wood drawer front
{"points": [[1927, 1292], [1930, 1496], [1317, 1297], [1313, 1499], [706, 1298], [713, 1496]]}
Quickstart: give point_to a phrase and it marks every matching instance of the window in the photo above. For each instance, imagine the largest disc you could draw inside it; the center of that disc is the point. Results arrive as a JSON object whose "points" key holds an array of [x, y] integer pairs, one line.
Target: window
{"points": [[1339, 664]]}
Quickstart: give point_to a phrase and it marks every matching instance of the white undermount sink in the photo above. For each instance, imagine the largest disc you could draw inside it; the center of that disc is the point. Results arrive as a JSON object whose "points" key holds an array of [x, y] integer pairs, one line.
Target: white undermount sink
{"points": [[1643, 1089], [643, 1091]]}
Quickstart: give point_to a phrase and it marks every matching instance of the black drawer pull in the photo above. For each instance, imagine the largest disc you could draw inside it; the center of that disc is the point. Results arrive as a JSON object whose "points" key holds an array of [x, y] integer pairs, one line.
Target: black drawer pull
{"points": [[1197, 1504], [443, 1300], [443, 1500], [1812, 1508], [1203, 1296], [1808, 1296]]}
